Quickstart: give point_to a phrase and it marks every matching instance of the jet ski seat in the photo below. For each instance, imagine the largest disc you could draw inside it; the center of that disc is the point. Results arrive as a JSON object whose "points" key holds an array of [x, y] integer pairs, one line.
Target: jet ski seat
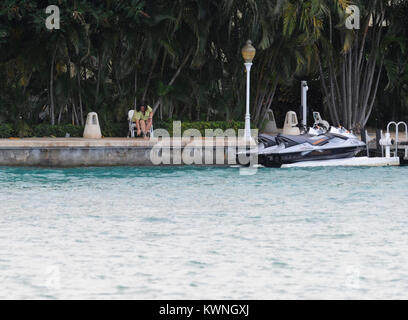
{"points": [[291, 140], [267, 140]]}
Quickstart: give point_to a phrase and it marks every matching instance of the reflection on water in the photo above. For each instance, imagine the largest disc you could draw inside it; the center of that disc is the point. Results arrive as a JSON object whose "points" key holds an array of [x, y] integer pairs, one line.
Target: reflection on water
{"points": [[185, 233]]}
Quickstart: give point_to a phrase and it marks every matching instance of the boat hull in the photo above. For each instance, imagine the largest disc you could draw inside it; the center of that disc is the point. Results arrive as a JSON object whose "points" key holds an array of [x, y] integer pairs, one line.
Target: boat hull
{"points": [[276, 160]]}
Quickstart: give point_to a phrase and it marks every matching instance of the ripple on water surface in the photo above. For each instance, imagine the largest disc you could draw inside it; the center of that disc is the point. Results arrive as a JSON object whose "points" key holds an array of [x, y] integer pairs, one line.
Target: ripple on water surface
{"points": [[203, 233]]}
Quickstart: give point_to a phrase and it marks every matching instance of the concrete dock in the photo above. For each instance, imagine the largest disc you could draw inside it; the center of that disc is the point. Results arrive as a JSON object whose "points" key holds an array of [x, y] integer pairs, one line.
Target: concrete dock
{"points": [[74, 152], [80, 152]]}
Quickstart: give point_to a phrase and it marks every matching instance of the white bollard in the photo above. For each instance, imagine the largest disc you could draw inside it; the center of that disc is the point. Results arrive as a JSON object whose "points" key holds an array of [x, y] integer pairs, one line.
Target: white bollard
{"points": [[291, 122], [92, 129], [387, 143], [270, 126]]}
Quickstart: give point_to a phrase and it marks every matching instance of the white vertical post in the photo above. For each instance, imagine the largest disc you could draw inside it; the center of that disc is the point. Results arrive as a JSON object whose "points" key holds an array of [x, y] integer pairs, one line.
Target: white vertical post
{"points": [[388, 143], [305, 88], [248, 66]]}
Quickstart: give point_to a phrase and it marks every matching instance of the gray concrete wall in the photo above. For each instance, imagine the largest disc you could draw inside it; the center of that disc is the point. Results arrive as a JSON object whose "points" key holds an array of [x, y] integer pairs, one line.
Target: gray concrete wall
{"points": [[111, 156]]}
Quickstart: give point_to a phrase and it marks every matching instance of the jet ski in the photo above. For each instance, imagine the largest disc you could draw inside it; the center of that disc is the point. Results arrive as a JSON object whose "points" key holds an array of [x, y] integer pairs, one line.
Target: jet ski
{"points": [[317, 144]]}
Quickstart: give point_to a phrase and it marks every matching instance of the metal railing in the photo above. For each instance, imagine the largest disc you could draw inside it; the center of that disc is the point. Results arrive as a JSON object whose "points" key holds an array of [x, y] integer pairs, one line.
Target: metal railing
{"points": [[397, 125]]}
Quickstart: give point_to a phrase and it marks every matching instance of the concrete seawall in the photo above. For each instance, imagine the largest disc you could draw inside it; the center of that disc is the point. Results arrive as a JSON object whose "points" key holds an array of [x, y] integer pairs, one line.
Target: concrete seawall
{"points": [[76, 152]]}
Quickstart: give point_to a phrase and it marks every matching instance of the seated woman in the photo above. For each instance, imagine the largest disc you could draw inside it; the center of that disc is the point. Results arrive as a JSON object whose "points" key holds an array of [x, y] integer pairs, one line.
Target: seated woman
{"points": [[143, 117]]}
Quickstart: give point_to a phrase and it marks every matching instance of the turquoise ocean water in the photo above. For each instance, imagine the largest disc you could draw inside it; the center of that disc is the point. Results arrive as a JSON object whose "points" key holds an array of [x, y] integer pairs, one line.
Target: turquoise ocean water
{"points": [[203, 233]]}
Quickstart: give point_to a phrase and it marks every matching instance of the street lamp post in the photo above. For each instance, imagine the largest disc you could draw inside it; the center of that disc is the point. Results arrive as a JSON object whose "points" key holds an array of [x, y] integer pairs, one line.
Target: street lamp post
{"points": [[305, 88], [248, 53]]}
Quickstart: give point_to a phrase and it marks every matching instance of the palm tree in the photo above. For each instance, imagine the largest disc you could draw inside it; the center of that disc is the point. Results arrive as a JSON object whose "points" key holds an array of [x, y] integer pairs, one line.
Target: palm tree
{"points": [[350, 80]]}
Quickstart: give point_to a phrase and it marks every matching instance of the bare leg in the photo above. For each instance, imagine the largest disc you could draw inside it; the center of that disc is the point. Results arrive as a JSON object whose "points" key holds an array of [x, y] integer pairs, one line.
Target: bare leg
{"points": [[138, 127], [143, 126], [148, 124]]}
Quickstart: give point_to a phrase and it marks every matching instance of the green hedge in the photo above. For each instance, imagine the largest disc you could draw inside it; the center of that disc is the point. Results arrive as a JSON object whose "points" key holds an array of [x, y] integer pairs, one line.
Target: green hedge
{"points": [[46, 130], [202, 126], [113, 129], [40, 130], [6, 131], [121, 129]]}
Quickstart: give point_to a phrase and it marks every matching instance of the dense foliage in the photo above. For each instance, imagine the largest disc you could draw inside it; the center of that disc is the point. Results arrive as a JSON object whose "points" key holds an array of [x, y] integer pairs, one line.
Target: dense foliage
{"points": [[183, 58], [119, 129]]}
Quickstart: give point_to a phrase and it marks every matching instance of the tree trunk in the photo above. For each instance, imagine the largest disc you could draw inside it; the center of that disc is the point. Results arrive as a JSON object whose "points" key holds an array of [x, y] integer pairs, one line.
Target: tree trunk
{"points": [[81, 111], [351, 82], [208, 114], [72, 115], [52, 102], [171, 108], [149, 77], [60, 114], [139, 55], [75, 113], [98, 82], [156, 105], [161, 111], [198, 109]]}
